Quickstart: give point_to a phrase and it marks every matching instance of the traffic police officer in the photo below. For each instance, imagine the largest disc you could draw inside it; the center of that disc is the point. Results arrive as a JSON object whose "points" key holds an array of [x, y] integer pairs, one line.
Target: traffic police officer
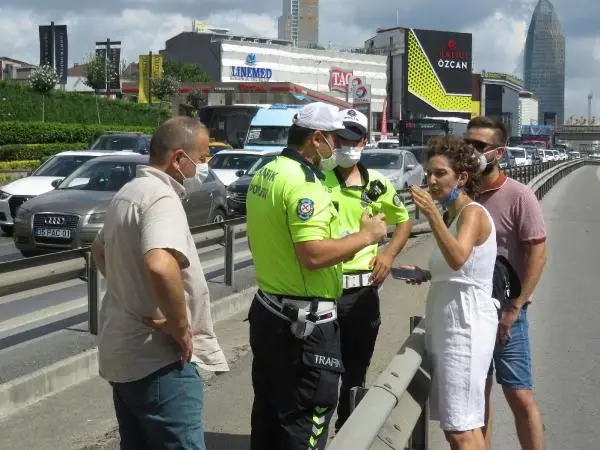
{"points": [[293, 233], [355, 187]]}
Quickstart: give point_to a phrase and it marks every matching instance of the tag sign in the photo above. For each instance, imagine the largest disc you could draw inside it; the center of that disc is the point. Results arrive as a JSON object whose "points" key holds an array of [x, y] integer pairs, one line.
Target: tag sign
{"points": [[339, 79]]}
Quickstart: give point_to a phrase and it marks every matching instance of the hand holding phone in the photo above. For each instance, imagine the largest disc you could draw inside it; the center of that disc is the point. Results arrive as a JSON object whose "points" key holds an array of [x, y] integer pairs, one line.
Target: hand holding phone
{"points": [[411, 274]]}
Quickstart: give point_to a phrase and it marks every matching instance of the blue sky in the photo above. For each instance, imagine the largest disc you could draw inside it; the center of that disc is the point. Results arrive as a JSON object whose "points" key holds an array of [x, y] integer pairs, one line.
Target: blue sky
{"points": [[498, 29]]}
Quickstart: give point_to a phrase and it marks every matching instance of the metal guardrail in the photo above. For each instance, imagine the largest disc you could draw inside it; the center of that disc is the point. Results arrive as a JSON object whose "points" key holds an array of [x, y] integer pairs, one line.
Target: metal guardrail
{"points": [[393, 412], [40, 271]]}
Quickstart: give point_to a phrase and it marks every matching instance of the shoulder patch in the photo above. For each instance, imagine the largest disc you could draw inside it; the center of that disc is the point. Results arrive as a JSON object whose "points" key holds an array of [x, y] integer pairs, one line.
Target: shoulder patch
{"points": [[305, 209], [397, 200]]}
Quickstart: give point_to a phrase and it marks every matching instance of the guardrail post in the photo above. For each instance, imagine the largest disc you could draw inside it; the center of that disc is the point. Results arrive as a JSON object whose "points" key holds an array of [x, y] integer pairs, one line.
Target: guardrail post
{"points": [[93, 281], [419, 439], [229, 253]]}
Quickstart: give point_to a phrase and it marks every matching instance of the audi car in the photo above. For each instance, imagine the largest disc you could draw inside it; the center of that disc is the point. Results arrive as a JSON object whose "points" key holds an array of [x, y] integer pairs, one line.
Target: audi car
{"points": [[71, 215], [39, 182]]}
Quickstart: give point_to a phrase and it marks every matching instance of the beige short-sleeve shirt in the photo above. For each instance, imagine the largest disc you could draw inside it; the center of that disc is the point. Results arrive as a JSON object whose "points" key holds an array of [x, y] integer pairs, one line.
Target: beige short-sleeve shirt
{"points": [[146, 214]]}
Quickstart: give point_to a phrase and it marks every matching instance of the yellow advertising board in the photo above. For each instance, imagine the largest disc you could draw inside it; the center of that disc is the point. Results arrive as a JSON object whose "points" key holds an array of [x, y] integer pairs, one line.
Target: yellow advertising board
{"points": [[144, 76]]}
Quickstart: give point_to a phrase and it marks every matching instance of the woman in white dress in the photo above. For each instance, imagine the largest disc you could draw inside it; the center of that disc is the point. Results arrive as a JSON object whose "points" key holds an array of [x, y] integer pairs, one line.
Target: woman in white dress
{"points": [[462, 319]]}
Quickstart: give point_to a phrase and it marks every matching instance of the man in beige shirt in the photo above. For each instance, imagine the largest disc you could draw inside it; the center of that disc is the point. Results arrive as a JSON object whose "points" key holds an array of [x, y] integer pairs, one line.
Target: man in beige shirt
{"points": [[148, 256]]}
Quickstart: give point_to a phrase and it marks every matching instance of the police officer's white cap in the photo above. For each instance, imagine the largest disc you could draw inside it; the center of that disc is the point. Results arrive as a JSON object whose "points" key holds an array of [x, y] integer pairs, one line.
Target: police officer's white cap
{"points": [[323, 117], [354, 121]]}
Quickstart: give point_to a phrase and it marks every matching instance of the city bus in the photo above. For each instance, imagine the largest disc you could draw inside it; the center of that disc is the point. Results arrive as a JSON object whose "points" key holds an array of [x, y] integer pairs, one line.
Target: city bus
{"points": [[419, 131]]}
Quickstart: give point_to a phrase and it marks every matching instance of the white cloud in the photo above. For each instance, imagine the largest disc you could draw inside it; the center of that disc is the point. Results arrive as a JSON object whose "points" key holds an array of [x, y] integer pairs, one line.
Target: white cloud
{"points": [[143, 25]]}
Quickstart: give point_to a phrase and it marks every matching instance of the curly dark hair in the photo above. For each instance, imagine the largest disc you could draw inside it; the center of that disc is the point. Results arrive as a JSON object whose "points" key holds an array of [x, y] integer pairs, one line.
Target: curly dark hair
{"points": [[462, 157]]}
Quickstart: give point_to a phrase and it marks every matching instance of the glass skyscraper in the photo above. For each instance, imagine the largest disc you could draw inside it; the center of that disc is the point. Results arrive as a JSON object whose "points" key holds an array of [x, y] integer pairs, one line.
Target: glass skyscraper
{"points": [[545, 63]]}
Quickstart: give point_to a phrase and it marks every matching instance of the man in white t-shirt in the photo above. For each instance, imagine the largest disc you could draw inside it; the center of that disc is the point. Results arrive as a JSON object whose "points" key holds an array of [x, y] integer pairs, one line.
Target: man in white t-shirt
{"points": [[148, 256]]}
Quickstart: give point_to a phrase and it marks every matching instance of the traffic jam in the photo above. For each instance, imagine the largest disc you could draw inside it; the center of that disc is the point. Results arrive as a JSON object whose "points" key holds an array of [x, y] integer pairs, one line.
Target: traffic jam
{"points": [[61, 205]]}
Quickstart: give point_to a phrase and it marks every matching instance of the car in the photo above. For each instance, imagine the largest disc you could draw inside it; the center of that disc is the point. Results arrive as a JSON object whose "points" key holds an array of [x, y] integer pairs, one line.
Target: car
{"points": [[522, 157], [388, 144], [419, 151], [227, 163], [399, 166], [57, 167], [70, 216], [508, 160], [217, 146], [135, 142], [237, 191]]}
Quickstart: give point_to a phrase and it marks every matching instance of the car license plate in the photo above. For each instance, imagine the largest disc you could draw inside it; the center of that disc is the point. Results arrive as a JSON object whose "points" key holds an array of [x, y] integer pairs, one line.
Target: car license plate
{"points": [[53, 233]]}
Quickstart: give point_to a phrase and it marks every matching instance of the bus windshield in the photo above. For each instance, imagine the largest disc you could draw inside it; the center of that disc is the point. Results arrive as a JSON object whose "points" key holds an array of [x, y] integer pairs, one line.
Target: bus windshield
{"points": [[268, 136]]}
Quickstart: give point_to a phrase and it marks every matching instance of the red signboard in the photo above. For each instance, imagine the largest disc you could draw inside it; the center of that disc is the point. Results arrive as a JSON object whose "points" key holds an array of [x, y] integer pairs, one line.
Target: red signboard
{"points": [[339, 79]]}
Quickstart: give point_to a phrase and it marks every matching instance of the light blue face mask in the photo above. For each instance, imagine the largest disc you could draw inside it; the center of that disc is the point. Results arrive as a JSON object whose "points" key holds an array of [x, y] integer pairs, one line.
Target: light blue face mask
{"points": [[454, 193]]}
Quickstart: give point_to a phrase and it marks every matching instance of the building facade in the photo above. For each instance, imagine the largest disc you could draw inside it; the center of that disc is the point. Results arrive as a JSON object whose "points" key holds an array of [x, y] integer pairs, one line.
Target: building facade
{"points": [[299, 22], [529, 106], [13, 69], [500, 99], [347, 76], [545, 63], [390, 43]]}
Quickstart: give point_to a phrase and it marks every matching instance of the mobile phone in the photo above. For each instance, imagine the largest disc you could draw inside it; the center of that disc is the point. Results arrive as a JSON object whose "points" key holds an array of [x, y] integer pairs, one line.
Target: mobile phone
{"points": [[407, 274]]}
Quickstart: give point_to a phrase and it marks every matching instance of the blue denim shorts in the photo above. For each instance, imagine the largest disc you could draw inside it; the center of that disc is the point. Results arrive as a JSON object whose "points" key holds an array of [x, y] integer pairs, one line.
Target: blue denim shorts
{"points": [[512, 361]]}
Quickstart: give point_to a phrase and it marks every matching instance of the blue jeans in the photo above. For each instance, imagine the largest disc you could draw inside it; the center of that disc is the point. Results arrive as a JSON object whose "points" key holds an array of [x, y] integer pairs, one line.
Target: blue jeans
{"points": [[513, 360], [162, 411]]}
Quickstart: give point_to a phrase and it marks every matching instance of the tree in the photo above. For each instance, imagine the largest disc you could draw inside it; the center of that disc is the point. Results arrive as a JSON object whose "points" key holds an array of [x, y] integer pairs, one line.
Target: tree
{"points": [[185, 72], [165, 86], [97, 70], [43, 80]]}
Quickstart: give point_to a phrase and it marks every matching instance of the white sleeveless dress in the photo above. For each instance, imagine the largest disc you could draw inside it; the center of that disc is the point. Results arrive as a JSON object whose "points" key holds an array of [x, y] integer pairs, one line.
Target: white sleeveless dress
{"points": [[462, 321]]}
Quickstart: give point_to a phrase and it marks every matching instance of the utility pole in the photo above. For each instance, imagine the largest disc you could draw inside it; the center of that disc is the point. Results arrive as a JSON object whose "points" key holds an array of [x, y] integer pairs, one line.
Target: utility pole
{"points": [[590, 95]]}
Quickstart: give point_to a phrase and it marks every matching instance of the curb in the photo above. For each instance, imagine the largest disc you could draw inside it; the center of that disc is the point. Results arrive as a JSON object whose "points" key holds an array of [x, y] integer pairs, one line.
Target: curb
{"points": [[31, 388]]}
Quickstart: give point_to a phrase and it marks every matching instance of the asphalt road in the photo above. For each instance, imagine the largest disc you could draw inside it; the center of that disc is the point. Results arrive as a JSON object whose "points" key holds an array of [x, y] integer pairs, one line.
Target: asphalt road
{"points": [[42, 326], [564, 333], [564, 318], [8, 251]]}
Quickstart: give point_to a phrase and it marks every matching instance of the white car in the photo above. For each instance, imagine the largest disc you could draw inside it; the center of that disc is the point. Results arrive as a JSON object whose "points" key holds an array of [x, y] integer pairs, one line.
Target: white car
{"points": [[521, 155], [229, 165], [42, 180], [399, 166]]}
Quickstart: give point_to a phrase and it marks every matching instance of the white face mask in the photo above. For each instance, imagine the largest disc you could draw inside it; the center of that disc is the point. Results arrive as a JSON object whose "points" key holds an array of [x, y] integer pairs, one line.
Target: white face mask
{"points": [[482, 159], [328, 163], [347, 156], [193, 183]]}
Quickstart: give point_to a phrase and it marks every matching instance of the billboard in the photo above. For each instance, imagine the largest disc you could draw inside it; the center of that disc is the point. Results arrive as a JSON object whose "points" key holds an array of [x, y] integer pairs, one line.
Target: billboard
{"points": [[54, 49], [144, 76], [61, 53], [438, 74], [46, 46]]}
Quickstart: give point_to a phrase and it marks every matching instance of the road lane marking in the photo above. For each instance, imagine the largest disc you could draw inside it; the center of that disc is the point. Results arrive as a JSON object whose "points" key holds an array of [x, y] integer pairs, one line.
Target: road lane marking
{"points": [[45, 313]]}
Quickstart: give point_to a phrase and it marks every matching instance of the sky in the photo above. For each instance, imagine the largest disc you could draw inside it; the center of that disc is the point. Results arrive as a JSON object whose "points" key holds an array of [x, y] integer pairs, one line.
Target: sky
{"points": [[499, 28]]}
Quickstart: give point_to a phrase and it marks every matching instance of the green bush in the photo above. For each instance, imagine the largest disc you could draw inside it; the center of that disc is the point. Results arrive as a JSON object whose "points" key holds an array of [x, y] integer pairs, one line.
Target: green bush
{"points": [[20, 165], [51, 133], [19, 152], [5, 179], [18, 102]]}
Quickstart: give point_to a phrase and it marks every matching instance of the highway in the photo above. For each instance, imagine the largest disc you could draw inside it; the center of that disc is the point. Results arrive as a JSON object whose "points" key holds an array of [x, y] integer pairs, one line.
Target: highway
{"points": [[564, 332], [41, 326]]}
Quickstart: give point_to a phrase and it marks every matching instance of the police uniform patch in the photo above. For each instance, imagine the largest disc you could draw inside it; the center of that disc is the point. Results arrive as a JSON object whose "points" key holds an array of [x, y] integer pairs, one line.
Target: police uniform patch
{"points": [[397, 200], [305, 209]]}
